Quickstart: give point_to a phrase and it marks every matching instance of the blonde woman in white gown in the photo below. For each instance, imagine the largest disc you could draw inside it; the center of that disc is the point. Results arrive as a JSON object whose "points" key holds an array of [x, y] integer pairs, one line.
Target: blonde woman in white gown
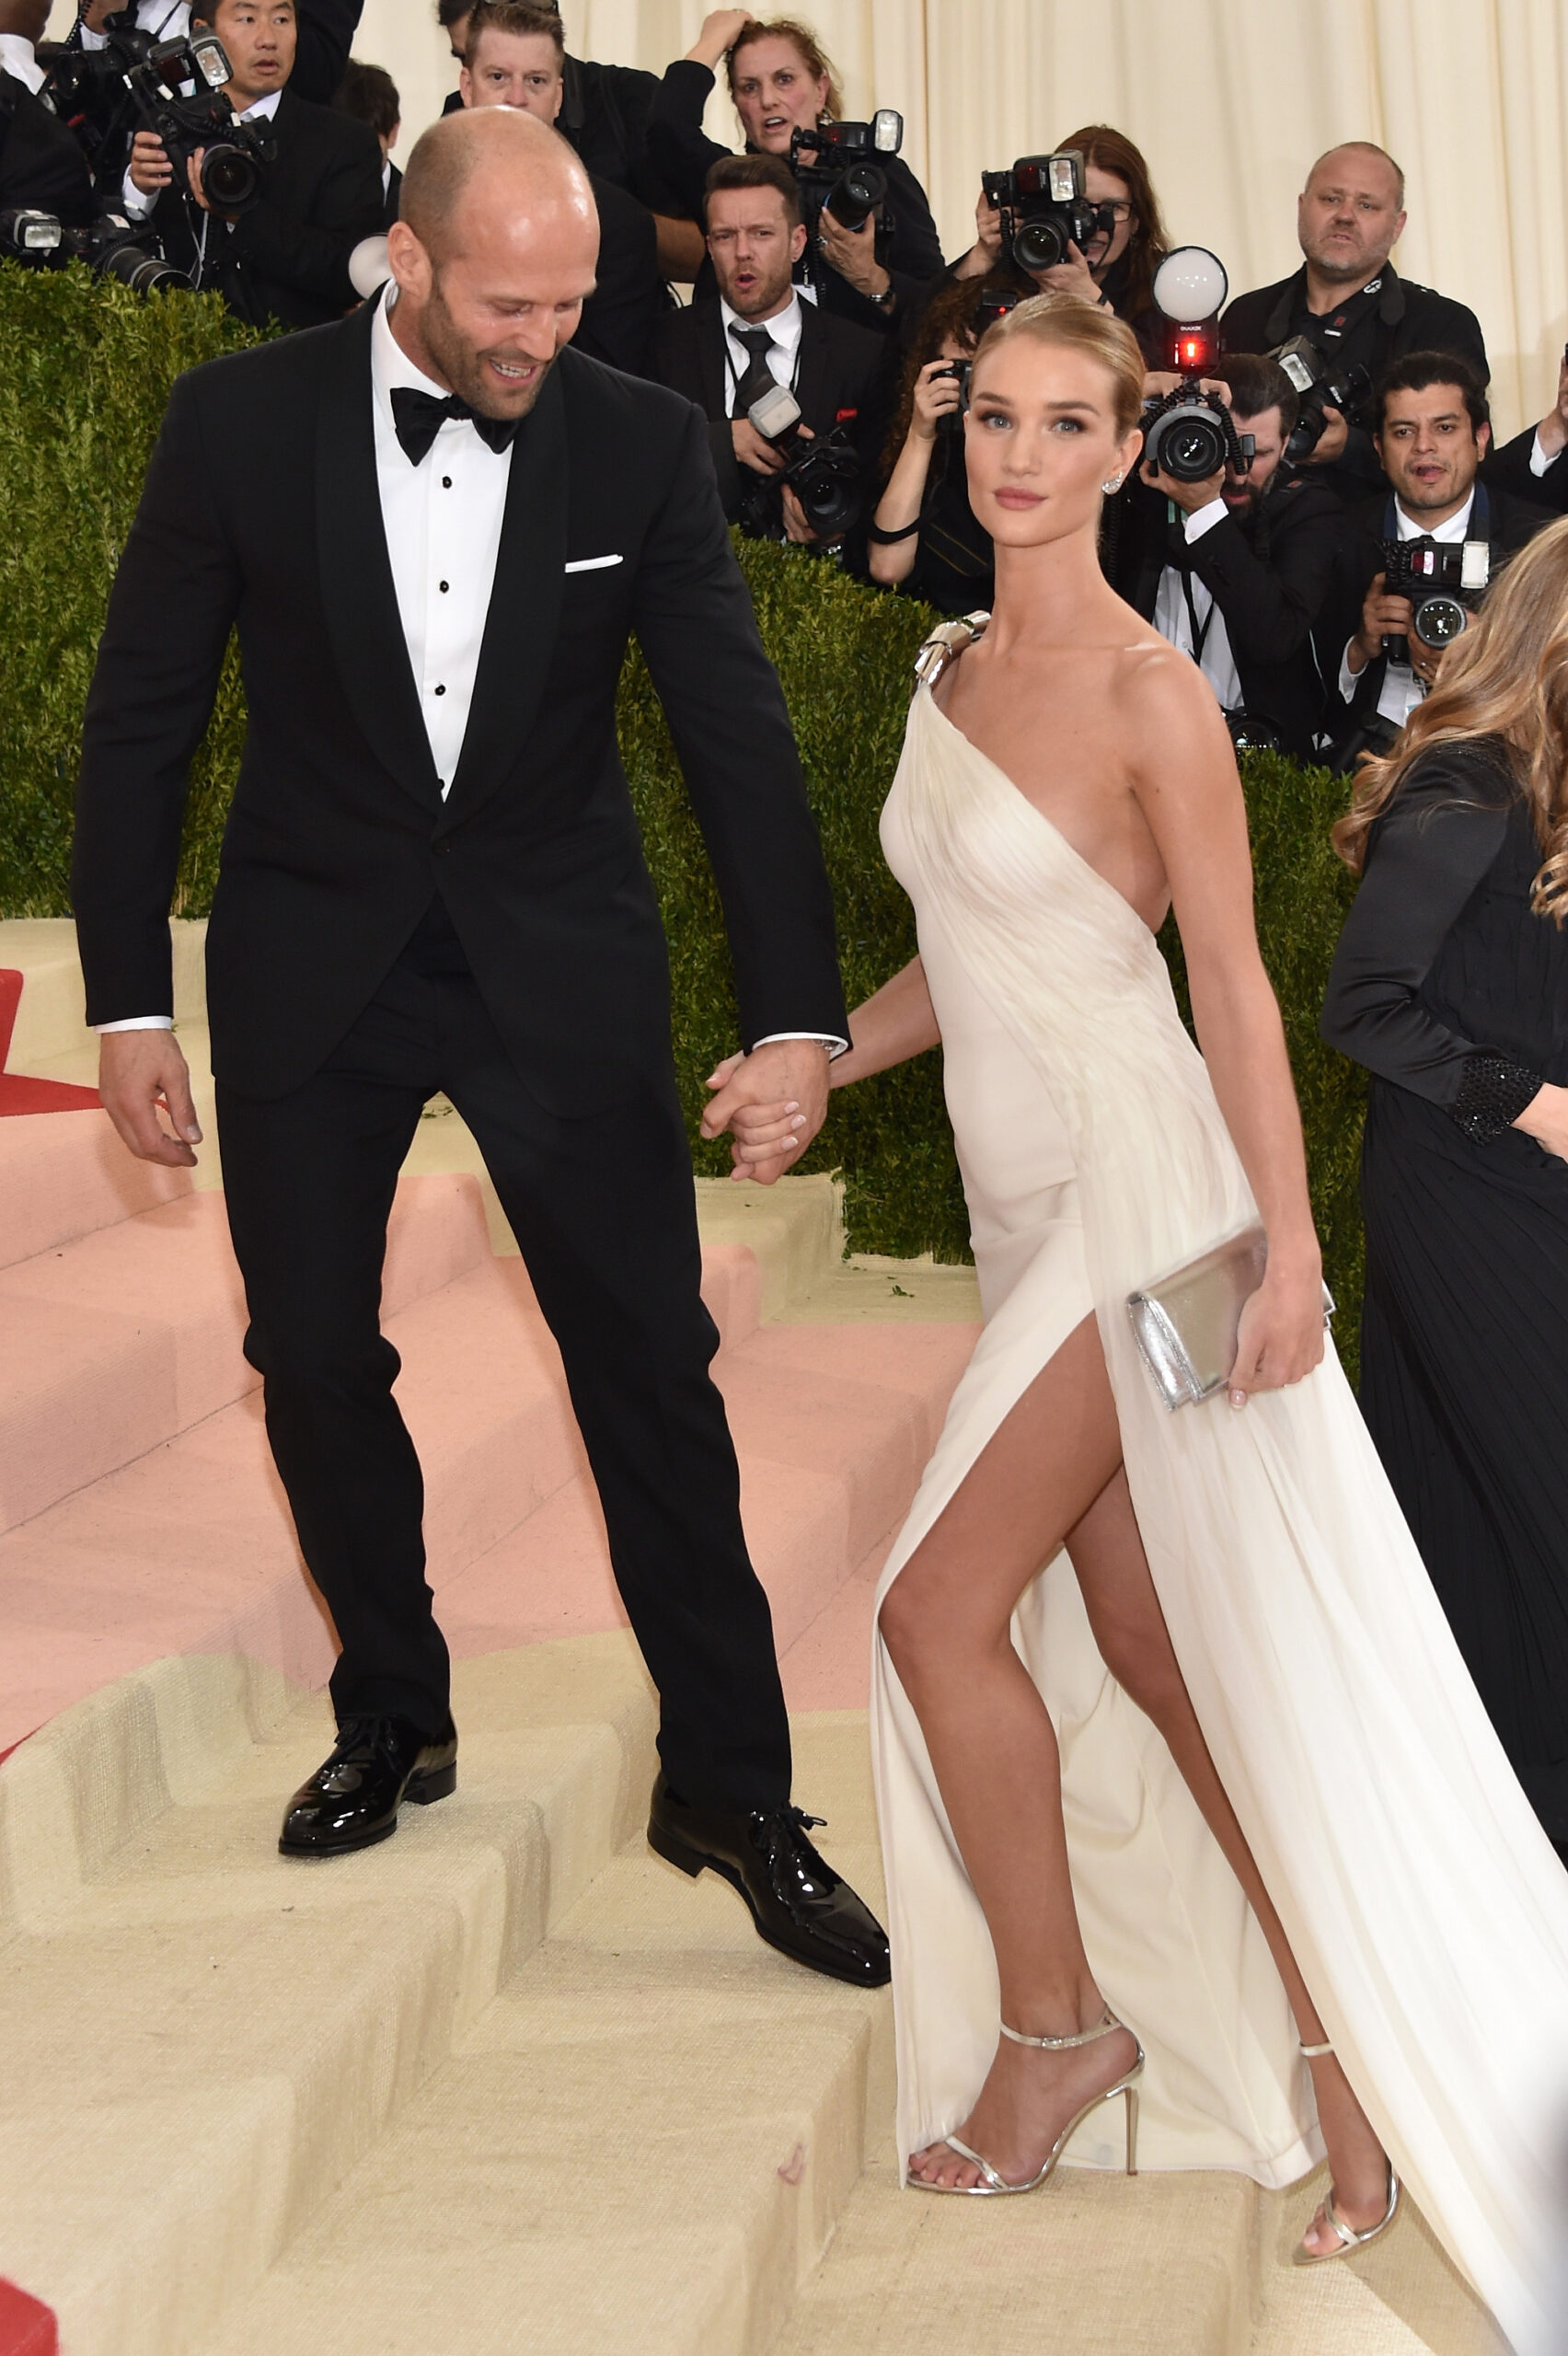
{"points": [[1168, 1728]]}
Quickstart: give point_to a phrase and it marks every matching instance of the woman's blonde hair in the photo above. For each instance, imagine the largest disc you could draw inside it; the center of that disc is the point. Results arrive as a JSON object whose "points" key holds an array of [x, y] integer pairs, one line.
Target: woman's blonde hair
{"points": [[813, 56], [1074, 326], [1506, 677]]}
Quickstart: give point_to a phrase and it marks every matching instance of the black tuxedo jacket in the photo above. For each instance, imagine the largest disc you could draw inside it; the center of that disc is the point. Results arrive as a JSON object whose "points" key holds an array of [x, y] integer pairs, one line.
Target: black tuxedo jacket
{"points": [[1269, 574], [41, 164], [260, 510], [1511, 521], [629, 297], [1509, 469], [288, 259], [842, 378]]}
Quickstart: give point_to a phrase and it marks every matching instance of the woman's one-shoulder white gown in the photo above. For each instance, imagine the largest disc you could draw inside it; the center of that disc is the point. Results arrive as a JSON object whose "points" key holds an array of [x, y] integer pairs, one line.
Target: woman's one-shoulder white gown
{"points": [[1427, 1908]]}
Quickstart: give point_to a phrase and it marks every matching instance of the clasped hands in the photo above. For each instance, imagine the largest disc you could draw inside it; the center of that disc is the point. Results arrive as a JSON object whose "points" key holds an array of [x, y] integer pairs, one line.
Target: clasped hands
{"points": [[772, 1102]]}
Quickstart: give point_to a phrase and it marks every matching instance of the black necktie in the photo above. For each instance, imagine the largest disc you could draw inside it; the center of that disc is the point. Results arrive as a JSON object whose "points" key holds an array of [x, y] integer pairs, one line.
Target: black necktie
{"points": [[418, 417], [758, 377]]}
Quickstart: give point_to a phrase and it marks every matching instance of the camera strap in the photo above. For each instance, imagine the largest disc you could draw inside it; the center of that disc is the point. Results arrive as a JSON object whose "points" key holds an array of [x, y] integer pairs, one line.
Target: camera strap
{"points": [[1200, 629]]}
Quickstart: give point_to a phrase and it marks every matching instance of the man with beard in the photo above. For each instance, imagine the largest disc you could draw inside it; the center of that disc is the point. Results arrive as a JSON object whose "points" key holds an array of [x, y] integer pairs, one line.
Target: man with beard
{"points": [[1235, 569], [1348, 302], [1432, 432], [433, 881]]}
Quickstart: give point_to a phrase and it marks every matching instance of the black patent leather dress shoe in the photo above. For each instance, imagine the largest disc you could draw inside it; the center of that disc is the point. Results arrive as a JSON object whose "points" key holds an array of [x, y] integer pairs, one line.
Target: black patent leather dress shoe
{"points": [[799, 1905], [353, 1798]]}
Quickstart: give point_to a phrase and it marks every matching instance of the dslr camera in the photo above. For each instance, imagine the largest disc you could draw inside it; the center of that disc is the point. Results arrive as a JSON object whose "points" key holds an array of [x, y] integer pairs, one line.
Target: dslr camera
{"points": [[1189, 434], [1443, 581], [87, 88], [113, 248], [236, 155], [823, 470], [834, 165], [1320, 386], [1044, 210]]}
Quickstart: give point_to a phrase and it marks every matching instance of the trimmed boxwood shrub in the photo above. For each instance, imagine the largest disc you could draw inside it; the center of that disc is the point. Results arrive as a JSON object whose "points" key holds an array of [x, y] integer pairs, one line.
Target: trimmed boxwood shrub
{"points": [[87, 372]]}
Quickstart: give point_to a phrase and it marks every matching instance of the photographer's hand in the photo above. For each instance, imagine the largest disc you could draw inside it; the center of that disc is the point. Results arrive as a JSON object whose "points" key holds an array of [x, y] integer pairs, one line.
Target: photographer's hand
{"points": [[797, 529], [139, 1074], [1188, 496], [1382, 617], [1552, 430], [149, 171], [1073, 276], [194, 174], [752, 450], [937, 395], [853, 253], [986, 251], [1331, 441], [720, 29]]}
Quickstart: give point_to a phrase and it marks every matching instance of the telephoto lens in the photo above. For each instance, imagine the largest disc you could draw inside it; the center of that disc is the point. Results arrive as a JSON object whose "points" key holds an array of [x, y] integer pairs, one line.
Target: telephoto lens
{"points": [[231, 179]]}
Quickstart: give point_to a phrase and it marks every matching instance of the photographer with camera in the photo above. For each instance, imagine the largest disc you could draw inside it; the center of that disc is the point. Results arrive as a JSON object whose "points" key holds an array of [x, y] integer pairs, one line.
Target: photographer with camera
{"points": [[1348, 309], [793, 396], [41, 168], [264, 196], [1235, 566], [1102, 245], [1417, 556], [871, 250], [515, 58], [369, 95], [923, 539]]}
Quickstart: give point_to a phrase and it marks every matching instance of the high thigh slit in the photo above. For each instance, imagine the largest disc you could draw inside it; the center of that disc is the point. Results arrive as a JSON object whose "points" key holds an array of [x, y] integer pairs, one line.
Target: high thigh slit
{"points": [[1427, 1912]]}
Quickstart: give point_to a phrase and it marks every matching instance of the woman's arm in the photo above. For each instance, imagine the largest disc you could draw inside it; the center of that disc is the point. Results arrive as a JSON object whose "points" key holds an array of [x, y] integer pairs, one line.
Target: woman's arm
{"points": [[896, 1022], [1183, 775], [935, 396]]}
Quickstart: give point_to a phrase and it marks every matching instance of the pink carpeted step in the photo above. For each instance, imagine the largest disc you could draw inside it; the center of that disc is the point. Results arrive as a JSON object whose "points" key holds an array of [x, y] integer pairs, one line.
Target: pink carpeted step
{"points": [[26, 2327], [120, 1340], [63, 1175]]}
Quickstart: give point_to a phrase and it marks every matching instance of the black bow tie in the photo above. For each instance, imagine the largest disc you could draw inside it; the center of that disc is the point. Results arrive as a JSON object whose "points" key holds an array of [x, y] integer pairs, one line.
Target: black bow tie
{"points": [[418, 417]]}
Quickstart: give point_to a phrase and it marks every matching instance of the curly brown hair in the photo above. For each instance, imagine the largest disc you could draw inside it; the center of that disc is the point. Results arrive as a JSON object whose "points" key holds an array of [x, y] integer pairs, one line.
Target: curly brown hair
{"points": [[1113, 151], [951, 316], [1506, 677]]}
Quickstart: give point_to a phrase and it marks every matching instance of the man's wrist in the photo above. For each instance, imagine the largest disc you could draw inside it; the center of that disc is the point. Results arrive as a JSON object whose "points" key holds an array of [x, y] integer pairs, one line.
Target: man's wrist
{"points": [[1199, 520], [136, 1022], [833, 1045]]}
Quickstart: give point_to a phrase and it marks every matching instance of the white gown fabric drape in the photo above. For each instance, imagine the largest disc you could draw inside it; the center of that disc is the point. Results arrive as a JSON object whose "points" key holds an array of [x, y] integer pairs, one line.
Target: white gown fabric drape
{"points": [[1427, 1908]]}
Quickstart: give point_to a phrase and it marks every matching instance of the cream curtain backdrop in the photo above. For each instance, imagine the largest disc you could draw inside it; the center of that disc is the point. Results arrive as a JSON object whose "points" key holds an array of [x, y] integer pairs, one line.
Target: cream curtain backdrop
{"points": [[1229, 99]]}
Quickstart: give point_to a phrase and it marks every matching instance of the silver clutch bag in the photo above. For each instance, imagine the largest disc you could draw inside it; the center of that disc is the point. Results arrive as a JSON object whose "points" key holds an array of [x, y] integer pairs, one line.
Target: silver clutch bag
{"points": [[1186, 1325]]}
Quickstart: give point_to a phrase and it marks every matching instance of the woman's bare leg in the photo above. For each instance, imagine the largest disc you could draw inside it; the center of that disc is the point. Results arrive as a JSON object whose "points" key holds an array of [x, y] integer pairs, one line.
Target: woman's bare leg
{"points": [[1051, 1476]]}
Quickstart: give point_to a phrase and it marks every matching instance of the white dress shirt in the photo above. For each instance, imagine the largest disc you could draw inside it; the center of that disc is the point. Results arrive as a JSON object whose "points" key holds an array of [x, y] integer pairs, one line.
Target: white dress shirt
{"points": [[1401, 691], [1542, 459], [1173, 621], [138, 203], [165, 19], [783, 359], [18, 59]]}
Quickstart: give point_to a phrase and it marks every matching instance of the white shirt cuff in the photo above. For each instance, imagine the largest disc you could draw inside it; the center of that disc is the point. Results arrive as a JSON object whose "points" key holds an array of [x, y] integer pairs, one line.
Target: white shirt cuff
{"points": [[133, 199], [1205, 519], [1349, 680], [836, 1047], [1539, 462], [137, 1023]]}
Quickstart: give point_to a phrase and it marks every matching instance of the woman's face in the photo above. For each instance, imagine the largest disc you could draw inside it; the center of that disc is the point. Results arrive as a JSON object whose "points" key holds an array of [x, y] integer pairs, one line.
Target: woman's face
{"points": [[1108, 187], [776, 93], [1040, 440]]}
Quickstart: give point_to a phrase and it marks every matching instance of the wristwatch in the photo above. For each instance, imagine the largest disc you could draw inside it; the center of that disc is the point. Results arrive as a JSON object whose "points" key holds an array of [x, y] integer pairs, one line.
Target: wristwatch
{"points": [[887, 298]]}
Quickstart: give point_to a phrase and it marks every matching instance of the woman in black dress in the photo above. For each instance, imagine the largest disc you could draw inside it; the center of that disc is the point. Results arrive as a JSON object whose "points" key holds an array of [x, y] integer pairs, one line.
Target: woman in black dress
{"points": [[1450, 985], [924, 539]]}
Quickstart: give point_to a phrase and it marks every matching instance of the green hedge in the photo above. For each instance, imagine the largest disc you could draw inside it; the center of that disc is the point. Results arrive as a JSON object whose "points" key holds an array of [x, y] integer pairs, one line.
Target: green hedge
{"points": [[85, 373]]}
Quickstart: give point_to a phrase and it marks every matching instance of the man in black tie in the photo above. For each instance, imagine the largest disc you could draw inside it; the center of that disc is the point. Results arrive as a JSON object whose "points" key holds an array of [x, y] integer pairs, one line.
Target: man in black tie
{"points": [[432, 880], [761, 334]]}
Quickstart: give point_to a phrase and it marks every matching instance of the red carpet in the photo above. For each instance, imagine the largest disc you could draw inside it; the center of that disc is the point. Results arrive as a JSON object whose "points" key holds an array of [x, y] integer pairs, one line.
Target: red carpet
{"points": [[19, 1095], [26, 2327]]}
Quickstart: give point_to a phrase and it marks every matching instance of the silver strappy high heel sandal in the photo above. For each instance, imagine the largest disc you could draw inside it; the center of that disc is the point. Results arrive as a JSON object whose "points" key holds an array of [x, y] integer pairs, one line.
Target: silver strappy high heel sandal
{"points": [[1348, 2239], [1127, 2086]]}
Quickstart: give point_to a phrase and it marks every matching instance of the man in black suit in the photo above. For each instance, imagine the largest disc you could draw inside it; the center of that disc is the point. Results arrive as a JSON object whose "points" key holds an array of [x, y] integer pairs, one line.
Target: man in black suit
{"points": [[1534, 464], [1236, 568], [515, 58], [369, 95], [1349, 302], [1433, 429], [760, 333], [41, 168], [287, 258], [435, 528]]}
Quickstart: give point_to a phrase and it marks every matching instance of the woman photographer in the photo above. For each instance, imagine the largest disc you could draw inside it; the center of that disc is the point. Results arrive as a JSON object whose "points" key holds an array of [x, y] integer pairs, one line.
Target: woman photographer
{"points": [[924, 538], [1450, 984], [781, 81], [1116, 271]]}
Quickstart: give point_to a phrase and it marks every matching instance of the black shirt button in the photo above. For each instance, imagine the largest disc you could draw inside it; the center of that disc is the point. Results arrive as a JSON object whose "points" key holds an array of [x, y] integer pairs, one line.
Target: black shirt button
{"points": [[440, 849], [441, 692], [445, 482], [444, 587]]}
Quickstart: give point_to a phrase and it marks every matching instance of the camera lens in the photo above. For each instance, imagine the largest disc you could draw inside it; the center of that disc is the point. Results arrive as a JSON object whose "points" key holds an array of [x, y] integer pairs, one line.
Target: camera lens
{"points": [[1189, 445], [1039, 244], [1437, 622], [231, 179], [857, 194], [141, 272]]}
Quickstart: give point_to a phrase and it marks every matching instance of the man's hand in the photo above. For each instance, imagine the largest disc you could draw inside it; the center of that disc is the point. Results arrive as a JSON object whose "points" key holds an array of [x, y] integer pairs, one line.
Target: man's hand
{"points": [[986, 251], [194, 174], [140, 1073], [798, 528], [853, 253], [1188, 496], [1331, 441], [1553, 427], [752, 450], [1382, 617], [772, 1102], [151, 170]]}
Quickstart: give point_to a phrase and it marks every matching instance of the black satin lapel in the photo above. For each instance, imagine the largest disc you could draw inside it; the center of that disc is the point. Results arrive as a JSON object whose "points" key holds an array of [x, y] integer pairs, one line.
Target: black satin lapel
{"points": [[712, 372], [526, 602], [361, 604]]}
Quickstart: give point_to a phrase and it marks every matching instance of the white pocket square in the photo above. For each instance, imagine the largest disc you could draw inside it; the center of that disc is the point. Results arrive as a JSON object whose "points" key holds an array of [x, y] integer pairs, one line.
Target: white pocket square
{"points": [[593, 563]]}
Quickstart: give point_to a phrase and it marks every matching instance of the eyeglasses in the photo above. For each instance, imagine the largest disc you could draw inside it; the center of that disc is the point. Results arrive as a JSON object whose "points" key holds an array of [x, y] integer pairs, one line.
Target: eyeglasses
{"points": [[1118, 207]]}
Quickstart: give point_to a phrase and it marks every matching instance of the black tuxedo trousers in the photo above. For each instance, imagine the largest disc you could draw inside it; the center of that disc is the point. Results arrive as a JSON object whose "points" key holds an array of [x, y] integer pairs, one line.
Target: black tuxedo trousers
{"points": [[604, 1214]]}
